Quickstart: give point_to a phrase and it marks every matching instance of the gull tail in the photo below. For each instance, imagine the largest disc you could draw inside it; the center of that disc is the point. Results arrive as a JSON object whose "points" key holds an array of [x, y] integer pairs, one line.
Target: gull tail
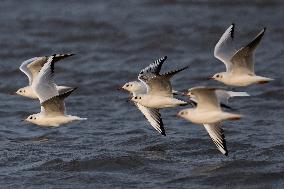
{"points": [[81, 118], [230, 116], [233, 93], [173, 72], [263, 80]]}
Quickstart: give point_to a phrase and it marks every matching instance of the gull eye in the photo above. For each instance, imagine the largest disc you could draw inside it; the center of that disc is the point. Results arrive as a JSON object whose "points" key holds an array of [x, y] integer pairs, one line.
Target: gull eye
{"points": [[217, 76], [141, 72], [35, 118], [140, 98], [135, 97], [20, 91], [127, 85], [31, 117]]}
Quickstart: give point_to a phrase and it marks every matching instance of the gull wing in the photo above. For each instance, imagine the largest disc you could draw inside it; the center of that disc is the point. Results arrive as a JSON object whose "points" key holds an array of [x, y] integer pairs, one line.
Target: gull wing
{"points": [[154, 117], [56, 105], [24, 68], [206, 98], [216, 133], [36, 65], [43, 84], [243, 59], [160, 85], [224, 49], [153, 69]]}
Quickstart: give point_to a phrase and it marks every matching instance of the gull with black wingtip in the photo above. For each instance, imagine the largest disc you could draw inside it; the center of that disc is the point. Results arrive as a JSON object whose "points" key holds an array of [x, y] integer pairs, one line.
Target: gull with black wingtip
{"points": [[239, 63], [158, 94], [53, 111], [209, 113], [32, 68]]}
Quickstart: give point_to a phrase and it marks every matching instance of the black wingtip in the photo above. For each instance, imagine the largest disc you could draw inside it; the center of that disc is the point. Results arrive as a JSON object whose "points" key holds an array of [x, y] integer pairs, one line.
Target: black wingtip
{"points": [[165, 57], [226, 154], [233, 31], [58, 57], [66, 94], [163, 133], [172, 73]]}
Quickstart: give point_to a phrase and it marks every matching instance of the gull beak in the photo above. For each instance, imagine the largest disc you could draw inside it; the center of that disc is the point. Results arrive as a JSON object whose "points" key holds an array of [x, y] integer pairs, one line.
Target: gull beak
{"points": [[119, 88], [13, 93], [210, 78]]}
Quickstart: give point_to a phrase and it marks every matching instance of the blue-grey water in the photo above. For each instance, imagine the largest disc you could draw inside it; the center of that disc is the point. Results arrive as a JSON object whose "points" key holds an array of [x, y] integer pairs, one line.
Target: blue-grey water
{"points": [[116, 147]]}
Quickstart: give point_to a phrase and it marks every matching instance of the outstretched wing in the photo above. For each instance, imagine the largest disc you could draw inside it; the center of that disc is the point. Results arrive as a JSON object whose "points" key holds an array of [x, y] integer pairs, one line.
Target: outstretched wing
{"points": [[216, 133], [154, 117], [24, 68], [153, 69], [56, 105], [224, 49], [160, 85], [44, 85], [243, 59], [33, 66]]}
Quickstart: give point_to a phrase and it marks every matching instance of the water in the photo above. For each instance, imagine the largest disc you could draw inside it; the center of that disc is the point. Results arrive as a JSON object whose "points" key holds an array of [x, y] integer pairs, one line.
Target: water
{"points": [[116, 147]]}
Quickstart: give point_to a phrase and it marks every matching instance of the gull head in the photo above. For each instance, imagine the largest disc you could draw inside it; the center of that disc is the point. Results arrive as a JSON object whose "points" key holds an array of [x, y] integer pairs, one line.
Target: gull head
{"points": [[33, 118], [219, 76], [137, 98], [25, 91], [21, 91], [132, 86]]}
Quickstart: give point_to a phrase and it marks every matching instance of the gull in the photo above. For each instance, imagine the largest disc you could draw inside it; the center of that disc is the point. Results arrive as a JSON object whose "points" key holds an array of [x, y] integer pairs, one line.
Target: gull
{"points": [[158, 93], [52, 103], [239, 63], [32, 67], [209, 113]]}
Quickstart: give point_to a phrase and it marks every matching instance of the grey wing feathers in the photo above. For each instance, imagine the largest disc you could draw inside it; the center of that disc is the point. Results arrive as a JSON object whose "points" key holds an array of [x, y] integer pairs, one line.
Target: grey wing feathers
{"points": [[152, 70], [224, 49], [216, 133], [154, 118], [243, 58], [24, 68], [155, 67], [43, 84], [55, 105]]}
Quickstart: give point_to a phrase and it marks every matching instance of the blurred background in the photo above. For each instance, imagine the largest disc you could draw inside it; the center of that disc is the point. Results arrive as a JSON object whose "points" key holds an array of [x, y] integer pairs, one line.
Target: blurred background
{"points": [[116, 147]]}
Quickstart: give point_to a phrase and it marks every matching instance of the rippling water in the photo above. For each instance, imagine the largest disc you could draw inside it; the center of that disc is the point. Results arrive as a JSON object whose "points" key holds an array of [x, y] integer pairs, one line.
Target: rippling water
{"points": [[116, 147]]}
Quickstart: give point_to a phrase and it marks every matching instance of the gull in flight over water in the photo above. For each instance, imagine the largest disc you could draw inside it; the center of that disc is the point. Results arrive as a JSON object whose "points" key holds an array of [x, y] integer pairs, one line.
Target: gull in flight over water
{"points": [[209, 113], [153, 92], [52, 103], [32, 68], [239, 63]]}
